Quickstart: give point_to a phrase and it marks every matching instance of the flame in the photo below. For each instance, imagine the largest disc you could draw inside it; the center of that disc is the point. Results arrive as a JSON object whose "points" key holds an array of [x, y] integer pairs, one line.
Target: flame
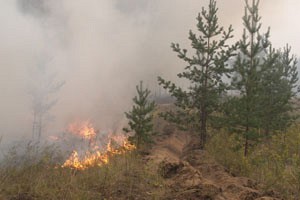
{"points": [[117, 145], [83, 129], [97, 158]]}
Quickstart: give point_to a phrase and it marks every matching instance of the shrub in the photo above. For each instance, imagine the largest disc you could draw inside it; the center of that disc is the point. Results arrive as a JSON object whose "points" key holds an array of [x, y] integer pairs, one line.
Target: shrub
{"points": [[275, 162]]}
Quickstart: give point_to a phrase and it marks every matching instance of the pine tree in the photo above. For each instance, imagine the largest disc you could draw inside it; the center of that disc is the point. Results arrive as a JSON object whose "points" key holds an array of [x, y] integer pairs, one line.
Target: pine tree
{"points": [[264, 81], [140, 117], [278, 87], [45, 86], [204, 72], [244, 109]]}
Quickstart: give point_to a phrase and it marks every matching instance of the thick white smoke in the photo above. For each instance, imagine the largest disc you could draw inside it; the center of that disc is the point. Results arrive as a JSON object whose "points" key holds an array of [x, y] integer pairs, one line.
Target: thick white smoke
{"points": [[101, 49]]}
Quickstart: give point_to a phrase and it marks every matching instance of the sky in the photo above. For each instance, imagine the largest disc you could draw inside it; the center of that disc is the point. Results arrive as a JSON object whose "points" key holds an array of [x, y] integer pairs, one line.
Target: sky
{"points": [[101, 49]]}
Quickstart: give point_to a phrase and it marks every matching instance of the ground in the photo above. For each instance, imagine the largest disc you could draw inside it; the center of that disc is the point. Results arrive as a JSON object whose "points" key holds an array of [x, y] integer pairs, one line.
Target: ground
{"points": [[190, 173]]}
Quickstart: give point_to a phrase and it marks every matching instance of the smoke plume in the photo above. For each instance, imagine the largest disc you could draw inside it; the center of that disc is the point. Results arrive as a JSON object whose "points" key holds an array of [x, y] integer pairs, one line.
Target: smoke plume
{"points": [[100, 49]]}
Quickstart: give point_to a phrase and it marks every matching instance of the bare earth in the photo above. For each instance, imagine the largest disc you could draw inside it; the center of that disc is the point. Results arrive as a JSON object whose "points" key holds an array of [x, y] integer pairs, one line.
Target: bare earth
{"points": [[191, 173]]}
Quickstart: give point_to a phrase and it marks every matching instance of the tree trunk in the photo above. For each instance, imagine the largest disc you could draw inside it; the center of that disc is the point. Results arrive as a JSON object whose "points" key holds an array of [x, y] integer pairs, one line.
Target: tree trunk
{"points": [[138, 143], [40, 128], [203, 131], [34, 126], [267, 133], [246, 147], [246, 142]]}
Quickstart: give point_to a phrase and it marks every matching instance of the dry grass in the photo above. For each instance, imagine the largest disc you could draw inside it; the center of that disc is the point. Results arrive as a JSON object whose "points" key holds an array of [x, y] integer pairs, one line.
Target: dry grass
{"points": [[274, 163], [34, 173]]}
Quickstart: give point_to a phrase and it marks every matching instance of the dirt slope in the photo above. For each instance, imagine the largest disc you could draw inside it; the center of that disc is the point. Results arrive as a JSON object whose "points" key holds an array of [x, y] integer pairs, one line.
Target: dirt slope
{"points": [[191, 173]]}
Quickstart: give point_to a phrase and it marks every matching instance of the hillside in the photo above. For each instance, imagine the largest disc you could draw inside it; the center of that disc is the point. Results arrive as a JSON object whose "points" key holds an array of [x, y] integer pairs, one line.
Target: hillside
{"points": [[191, 173], [187, 173]]}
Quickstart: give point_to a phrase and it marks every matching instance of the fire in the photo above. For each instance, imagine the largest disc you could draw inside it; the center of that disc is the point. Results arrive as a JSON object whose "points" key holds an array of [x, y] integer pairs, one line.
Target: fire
{"points": [[95, 156], [84, 129], [95, 159]]}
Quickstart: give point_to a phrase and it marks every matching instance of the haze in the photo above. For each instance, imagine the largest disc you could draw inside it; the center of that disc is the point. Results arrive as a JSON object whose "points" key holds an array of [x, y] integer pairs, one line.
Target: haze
{"points": [[101, 49]]}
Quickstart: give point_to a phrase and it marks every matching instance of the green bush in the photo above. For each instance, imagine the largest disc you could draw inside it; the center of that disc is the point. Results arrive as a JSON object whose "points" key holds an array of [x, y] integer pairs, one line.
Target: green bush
{"points": [[274, 162]]}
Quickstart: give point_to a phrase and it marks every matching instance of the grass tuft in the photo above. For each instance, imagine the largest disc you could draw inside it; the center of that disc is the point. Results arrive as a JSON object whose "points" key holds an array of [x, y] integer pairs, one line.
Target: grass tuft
{"points": [[33, 171]]}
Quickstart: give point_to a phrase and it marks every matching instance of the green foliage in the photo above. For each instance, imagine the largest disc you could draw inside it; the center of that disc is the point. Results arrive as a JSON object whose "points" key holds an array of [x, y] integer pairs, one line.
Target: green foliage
{"points": [[278, 88], [264, 81], [140, 117], [228, 152], [248, 69], [204, 71], [275, 163]]}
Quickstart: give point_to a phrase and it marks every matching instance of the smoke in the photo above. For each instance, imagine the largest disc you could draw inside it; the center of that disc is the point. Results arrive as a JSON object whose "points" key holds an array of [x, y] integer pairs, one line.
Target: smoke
{"points": [[100, 49]]}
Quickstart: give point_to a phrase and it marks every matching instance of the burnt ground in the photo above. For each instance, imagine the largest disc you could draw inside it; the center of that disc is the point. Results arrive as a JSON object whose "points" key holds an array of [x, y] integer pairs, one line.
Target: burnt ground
{"points": [[190, 173]]}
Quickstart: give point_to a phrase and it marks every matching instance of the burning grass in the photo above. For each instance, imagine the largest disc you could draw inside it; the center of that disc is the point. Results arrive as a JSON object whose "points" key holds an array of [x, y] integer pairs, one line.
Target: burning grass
{"points": [[31, 171], [84, 163], [91, 150], [97, 158]]}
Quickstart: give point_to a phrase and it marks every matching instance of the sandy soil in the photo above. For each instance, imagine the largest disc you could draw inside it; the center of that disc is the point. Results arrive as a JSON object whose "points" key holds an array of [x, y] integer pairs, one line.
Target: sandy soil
{"points": [[190, 173]]}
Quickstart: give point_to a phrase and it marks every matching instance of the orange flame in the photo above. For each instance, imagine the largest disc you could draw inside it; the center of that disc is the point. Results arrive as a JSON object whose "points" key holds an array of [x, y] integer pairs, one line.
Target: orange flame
{"points": [[95, 157], [84, 129]]}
